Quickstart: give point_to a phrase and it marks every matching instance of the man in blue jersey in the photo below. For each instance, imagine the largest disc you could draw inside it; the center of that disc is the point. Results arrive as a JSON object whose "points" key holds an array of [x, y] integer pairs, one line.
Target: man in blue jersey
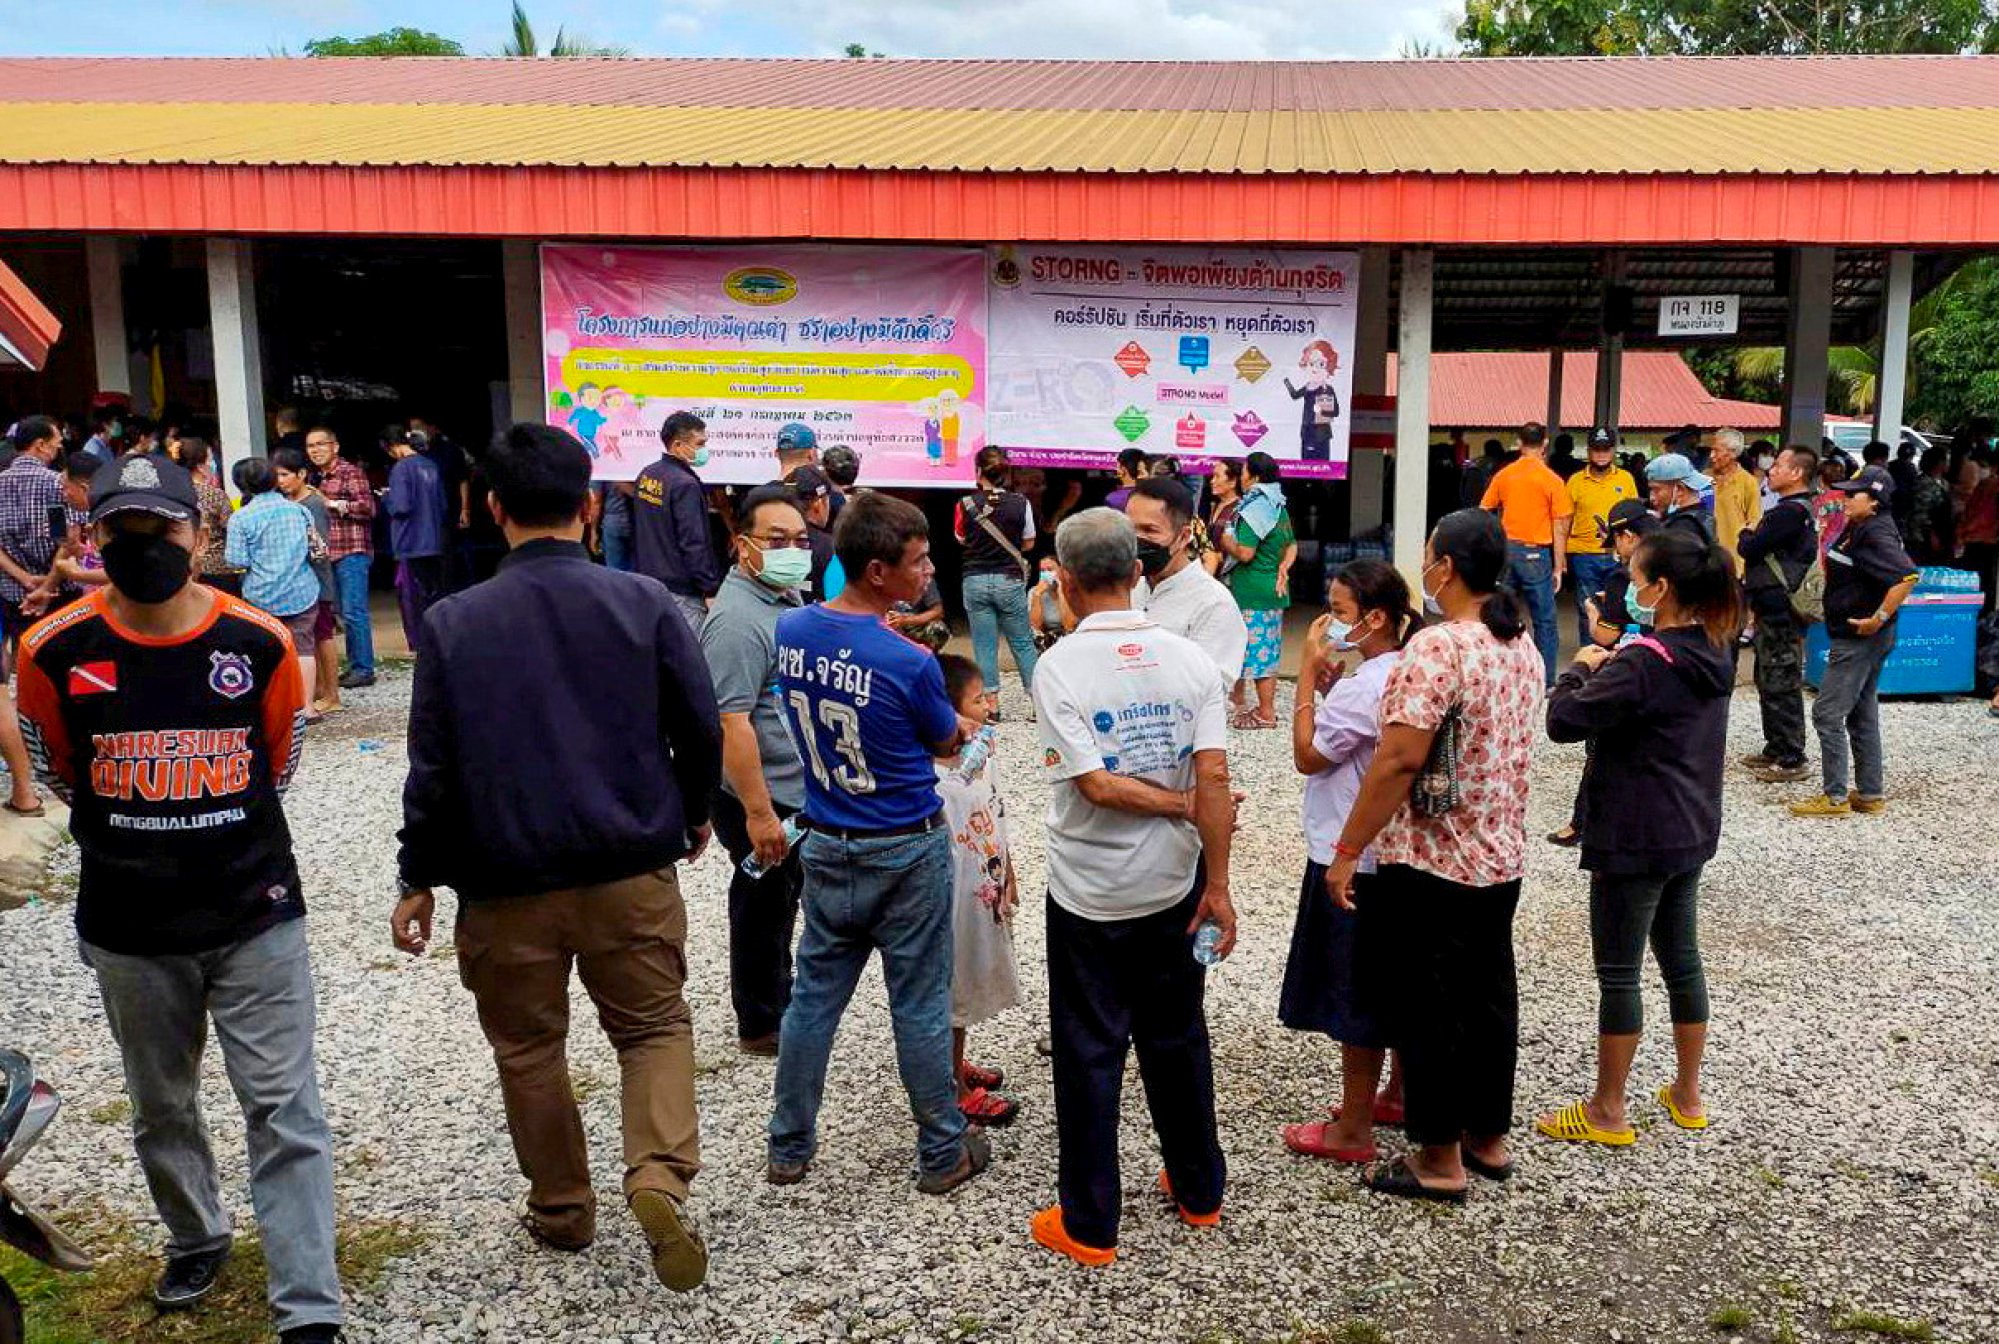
{"points": [[868, 710]]}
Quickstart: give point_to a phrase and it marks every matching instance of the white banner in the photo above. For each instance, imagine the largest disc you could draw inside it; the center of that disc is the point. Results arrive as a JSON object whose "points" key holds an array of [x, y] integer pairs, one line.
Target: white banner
{"points": [[1197, 352]]}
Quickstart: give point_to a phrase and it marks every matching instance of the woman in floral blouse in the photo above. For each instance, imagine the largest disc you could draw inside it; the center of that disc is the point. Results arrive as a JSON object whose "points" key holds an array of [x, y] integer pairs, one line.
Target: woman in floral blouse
{"points": [[214, 570], [1450, 882]]}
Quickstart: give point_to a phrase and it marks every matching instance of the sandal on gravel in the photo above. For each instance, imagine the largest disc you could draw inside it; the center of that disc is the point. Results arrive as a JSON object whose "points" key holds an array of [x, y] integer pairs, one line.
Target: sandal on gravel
{"points": [[1387, 1114], [1187, 1215], [36, 811], [1568, 837], [1398, 1179], [1497, 1172], [989, 1079], [1572, 1125], [679, 1258], [1048, 1231], [988, 1108], [786, 1173], [543, 1236], [974, 1159], [1310, 1140], [1680, 1117]]}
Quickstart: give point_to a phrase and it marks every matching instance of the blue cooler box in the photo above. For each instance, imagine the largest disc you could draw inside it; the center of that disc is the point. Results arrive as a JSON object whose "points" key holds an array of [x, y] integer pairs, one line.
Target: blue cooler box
{"points": [[1936, 646]]}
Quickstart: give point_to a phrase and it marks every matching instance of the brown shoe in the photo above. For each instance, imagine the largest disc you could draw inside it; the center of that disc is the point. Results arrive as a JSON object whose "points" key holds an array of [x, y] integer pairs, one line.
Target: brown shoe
{"points": [[786, 1173], [679, 1258], [545, 1236], [764, 1047], [1782, 774], [976, 1157], [1868, 804]]}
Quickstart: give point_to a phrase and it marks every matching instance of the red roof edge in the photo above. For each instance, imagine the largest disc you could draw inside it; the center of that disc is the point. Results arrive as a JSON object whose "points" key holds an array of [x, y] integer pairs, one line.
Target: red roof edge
{"points": [[27, 327]]}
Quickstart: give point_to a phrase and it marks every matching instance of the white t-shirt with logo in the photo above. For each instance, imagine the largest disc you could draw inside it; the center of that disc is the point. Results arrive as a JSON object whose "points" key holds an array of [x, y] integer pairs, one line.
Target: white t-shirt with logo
{"points": [[1123, 695]]}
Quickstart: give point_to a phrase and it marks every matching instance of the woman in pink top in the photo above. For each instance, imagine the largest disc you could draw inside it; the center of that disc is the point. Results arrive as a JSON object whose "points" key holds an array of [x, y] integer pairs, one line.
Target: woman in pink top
{"points": [[1450, 882]]}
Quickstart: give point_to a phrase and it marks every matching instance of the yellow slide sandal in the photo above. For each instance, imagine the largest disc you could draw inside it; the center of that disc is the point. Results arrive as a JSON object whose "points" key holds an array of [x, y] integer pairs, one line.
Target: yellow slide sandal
{"points": [[1680, 1118], [1572, 1124]]}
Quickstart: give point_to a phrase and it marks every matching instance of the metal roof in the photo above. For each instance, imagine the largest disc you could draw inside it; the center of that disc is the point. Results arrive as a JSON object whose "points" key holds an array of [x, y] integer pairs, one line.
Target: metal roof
{"points": [[1890, 115], [1482, 389]]}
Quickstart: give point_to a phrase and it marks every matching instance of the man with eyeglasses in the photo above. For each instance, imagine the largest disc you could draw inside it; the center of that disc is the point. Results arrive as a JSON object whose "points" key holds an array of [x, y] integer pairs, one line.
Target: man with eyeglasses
{"points": [[763, 778]]}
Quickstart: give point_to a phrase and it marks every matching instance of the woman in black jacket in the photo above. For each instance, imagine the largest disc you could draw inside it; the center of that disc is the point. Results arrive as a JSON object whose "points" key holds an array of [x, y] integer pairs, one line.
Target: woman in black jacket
{"points": [[1658, 713]]}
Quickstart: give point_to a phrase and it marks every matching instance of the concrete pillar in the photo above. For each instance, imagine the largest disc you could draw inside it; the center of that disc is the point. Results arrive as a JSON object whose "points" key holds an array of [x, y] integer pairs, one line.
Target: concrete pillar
{"points": [[104, 263], [1609, 402], [239, 363], [521, 271], [1412, 412], [1367, 467], [1554, 420], [1806, 343], [1892, 384]]}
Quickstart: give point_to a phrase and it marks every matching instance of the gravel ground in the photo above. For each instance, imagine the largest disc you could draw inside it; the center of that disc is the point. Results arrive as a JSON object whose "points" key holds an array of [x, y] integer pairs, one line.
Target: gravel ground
{"points": [[1854, 1162]]}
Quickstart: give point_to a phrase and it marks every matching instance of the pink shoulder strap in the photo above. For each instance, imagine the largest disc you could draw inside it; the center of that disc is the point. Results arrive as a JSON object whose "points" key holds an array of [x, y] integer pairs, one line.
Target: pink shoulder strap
{"points": [[1648, 642]]}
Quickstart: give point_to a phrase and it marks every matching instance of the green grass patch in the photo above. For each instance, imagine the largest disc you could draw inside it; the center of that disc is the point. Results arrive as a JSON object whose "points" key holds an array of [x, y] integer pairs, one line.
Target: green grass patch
{"points": [[113, 1303], [1731, 1316], [1769, 1178], [1876, 1323], [1787, 1330], [116, 1111]]}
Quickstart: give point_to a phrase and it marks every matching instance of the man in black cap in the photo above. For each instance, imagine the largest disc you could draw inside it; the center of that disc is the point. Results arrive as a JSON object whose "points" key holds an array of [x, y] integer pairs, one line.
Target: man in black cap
{"points": [[170, 715], [1777, 555], [1867, 578], [1593, 492], [815, 500]]}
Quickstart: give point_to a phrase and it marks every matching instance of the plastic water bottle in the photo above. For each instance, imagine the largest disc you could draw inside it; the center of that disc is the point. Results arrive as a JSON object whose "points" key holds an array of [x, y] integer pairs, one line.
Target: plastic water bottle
{"points": [[753, 868], [1207, 943], [976, 752]]}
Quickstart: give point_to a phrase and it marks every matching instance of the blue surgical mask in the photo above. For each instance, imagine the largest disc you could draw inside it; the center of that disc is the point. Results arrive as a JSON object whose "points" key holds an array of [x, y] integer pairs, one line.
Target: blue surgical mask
{"points": [[1647, 614], [701, 456], [1338, 632], [785, 567]]}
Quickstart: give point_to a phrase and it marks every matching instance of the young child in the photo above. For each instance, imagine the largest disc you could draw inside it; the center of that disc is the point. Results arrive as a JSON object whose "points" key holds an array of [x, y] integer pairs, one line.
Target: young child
{"points": [[984, 894]]}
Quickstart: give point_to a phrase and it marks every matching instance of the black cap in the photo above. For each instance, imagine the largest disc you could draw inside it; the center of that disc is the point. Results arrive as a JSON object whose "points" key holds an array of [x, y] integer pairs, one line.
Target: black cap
{"points": [[144, 484], [1873, 481], [1602, 438], [809, 483], [1629, 515]]}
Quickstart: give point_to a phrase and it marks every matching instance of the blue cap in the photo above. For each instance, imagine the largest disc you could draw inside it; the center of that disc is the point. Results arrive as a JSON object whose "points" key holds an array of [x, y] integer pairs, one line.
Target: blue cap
{"points": [[1674, 468], [795, 438]]}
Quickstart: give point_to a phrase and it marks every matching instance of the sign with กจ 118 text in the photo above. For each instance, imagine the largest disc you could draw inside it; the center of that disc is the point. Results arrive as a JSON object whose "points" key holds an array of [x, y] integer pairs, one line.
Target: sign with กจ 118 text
{"points": [[1699, 314]]}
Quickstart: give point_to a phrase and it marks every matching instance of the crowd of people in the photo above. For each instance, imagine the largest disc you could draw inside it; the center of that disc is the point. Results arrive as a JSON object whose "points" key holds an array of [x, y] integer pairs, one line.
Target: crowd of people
{"points": [[783, 686]]}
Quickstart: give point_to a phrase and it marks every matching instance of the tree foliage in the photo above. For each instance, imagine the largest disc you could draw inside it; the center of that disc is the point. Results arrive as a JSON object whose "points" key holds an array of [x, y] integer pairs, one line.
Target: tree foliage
{"points": [[394, 42], [1725, 27], [1955, 366], [522, 41]]}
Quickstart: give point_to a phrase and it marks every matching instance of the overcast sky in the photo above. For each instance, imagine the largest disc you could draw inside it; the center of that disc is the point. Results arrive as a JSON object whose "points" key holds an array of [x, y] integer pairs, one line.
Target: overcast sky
{"points": [[1161, 29]]}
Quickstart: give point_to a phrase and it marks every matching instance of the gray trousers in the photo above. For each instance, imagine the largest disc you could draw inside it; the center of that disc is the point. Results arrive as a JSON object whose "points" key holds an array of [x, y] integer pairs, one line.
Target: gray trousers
{"points": [[259, 995], [1847, 713]]}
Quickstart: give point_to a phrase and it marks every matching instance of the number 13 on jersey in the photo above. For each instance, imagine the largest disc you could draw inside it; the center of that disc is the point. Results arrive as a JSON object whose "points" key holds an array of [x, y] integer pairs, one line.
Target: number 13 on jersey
{"points": [[842, 724]]}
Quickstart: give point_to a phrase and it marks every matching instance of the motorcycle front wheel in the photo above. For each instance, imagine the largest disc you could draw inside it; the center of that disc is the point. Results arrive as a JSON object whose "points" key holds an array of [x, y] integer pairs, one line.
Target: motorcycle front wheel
{"points": [[13, 1330]]}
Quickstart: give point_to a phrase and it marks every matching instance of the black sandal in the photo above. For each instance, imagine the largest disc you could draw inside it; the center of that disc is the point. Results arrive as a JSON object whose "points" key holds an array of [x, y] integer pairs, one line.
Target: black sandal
{"points": [[1497, 1172], [1396, 1178], [38, 810]]}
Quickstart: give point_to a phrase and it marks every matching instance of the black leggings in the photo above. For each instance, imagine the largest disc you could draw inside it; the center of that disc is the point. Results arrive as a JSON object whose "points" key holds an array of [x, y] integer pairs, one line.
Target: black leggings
{"points": [[1625, 909]]}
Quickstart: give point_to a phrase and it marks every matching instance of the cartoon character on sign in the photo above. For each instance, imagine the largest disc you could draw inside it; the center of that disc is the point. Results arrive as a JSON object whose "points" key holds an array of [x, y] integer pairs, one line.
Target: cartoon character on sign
{"points": [[1322, 403], [933, 433], [947, 424], [587, 417], [620, 416]]}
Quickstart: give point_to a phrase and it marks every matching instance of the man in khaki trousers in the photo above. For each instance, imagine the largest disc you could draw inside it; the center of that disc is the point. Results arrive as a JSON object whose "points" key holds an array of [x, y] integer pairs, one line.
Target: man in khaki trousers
{"points": [[563, 746]]}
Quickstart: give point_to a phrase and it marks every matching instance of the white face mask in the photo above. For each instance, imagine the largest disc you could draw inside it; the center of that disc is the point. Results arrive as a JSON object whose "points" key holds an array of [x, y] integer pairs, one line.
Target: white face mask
{"points": [[1430, 603], [785, 567]]}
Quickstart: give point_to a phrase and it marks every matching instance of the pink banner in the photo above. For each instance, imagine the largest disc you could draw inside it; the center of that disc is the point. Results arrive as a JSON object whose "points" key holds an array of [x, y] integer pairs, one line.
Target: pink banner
{"points": [[882, 349]]}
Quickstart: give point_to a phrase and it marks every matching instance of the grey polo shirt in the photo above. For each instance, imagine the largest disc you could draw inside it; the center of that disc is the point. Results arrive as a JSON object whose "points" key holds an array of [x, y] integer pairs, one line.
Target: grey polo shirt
{"points": [[739, 639]]}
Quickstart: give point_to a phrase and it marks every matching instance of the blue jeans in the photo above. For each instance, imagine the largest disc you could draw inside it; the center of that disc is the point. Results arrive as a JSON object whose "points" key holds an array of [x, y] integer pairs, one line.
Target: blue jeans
{"points": [[1847, 713], [1532, 574], [894, 894], [996, 605], [350, 581], [1587, 575], [258, 994], [618, 547]]}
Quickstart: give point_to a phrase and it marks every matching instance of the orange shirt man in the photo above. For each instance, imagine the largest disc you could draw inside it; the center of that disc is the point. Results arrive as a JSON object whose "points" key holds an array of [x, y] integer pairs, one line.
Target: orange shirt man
{"points": [[1533, 502]]}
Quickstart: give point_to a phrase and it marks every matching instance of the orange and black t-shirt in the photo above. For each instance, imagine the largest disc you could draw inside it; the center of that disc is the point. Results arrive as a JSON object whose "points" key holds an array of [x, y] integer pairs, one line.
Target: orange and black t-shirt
{"points": [[173, 755]]}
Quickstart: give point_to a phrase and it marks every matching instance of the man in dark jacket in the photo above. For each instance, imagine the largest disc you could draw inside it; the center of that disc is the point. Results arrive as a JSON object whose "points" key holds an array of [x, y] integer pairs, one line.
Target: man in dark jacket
{"points": [[1776, 554], [556, 813], [1867, 578], [671, 541]]}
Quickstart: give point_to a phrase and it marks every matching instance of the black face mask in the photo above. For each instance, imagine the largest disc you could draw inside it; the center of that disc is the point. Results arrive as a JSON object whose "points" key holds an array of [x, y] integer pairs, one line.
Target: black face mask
{"points": [[1152, 557], [144, 567]]}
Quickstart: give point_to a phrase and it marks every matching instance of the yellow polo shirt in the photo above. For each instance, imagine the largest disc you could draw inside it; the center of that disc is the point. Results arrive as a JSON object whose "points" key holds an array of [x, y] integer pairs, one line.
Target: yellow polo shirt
{"points": [[1592, 498]]}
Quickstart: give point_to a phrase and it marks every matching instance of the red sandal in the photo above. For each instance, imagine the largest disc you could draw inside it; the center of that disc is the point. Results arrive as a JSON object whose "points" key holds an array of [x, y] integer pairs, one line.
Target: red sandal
{"points": [[1311, 1141], [975, 1077], [988, 1108]]}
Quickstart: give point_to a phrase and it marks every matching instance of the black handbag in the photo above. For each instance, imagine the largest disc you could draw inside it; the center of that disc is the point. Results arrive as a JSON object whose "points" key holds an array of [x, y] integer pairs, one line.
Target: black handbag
{"points": [[1436, 791]]}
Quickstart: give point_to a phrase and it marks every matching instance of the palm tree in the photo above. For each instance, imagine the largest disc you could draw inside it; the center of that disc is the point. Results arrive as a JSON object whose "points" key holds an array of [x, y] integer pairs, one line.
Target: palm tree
{"points": [[1854, 371], [525, 43]]}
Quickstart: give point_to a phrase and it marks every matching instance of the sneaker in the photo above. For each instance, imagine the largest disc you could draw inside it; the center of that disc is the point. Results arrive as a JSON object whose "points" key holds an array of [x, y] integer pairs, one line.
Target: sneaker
{"points": [[1872, 805], [987, 1108], [763, 1047], [786, 1173], [354, 681], [1762, 760], [1782, 774], [1048, 1231], [311, 1334], [976, 1157], [679, 1257], [1822, 806], [189, 1278]]}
